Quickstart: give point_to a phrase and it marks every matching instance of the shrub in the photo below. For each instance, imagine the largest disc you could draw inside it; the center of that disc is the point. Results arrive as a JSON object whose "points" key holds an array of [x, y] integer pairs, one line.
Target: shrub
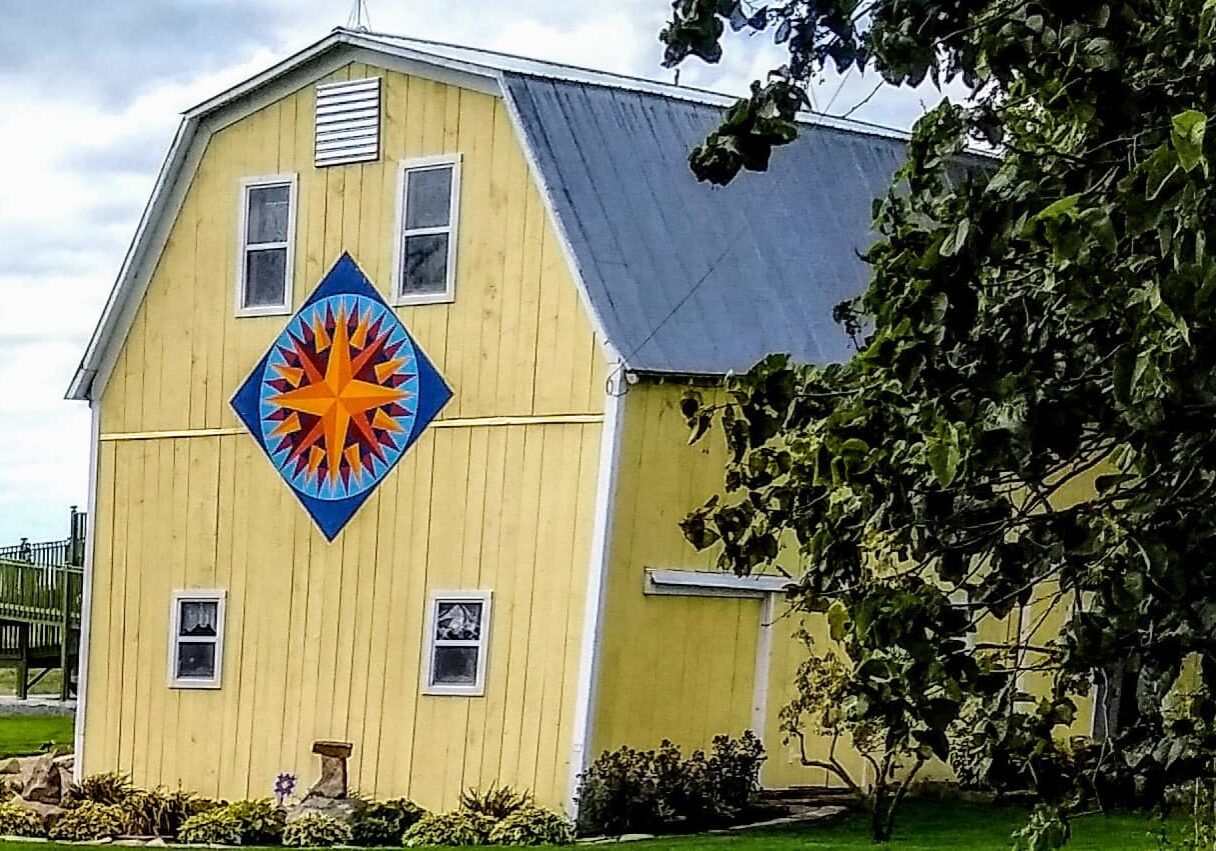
{"points": [[88, 820], [257, 822], [384, 822], [532, 825], [159, 812], [630, 791], [734, 771], [455, 828], [261, 821], [16, 820], [497, 802], [316, 830], [213, 827], [109, 788], [618, 793]]}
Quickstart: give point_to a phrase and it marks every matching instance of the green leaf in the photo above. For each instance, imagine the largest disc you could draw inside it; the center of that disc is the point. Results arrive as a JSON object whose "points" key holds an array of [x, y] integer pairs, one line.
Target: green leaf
{"points": [[1187, 138], [956, 239], [1063, 207], [838, 620]]}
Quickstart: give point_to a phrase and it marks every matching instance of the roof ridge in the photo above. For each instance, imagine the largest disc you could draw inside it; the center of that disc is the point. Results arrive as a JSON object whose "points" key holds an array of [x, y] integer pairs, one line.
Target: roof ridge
{"points": [[544, 68]]}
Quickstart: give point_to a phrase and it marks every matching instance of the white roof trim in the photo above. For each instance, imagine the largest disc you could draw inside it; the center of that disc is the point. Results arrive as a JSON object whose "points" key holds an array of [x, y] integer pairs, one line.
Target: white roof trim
{"points": [[697, 583]]}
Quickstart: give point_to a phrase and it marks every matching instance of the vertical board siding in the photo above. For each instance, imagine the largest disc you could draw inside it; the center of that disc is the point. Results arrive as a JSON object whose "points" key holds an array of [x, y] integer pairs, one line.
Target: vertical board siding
{"points": [[694, 656], [326, 640], [314, 648]]}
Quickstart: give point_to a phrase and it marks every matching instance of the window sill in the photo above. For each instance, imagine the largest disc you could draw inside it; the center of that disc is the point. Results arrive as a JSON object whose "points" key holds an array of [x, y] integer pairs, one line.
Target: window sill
{"points": [[195, 685], [251, 312], [416, 300], [454, 691]]}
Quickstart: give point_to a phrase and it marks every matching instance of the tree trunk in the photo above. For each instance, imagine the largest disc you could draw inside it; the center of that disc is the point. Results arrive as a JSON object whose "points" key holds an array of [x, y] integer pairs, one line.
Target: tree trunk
{"points": [[882, 815]]}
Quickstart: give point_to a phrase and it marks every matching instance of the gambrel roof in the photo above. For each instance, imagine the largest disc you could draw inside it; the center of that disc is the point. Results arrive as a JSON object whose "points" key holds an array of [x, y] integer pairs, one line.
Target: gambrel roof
{"points": [[679, 277]]}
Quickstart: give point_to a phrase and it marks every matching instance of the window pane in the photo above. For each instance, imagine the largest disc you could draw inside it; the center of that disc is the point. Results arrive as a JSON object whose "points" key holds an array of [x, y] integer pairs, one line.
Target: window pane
{"points": [[265, 277], [455, 666], [458, 622], [196, 661], [428, 198], [426, 264], [199, 618], [268, 209]]}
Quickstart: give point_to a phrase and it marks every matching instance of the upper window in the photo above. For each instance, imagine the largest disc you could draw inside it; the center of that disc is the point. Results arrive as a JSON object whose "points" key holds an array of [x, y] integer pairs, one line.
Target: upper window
{"points": [[458, 626], [268, 220], [429, 196], [196, 646]]}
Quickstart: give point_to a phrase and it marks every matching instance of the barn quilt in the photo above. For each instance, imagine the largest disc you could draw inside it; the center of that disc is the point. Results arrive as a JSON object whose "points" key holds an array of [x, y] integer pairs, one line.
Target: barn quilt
{"points": [[339, 398]]}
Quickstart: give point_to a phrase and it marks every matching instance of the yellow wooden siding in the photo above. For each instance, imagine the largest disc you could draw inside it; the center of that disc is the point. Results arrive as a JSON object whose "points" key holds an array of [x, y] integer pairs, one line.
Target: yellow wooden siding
{"points": [[516, 341], [680, 668], [325, 640]]}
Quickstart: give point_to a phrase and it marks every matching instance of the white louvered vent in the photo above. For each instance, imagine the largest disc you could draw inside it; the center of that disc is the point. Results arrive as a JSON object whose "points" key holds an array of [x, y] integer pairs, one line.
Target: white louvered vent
{"points": [[348, 122]]}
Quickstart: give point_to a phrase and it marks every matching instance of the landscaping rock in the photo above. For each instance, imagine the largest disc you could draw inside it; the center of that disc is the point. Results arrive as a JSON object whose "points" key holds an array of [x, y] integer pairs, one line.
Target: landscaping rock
{"points": [[10, 766], [333, 768], [345, 810], [329, 794], [50, 812], [43, 782]]}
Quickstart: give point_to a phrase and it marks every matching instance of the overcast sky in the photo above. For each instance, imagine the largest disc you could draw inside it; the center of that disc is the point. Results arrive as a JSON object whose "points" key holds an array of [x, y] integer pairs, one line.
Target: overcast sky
{"points": [[91, 94]]}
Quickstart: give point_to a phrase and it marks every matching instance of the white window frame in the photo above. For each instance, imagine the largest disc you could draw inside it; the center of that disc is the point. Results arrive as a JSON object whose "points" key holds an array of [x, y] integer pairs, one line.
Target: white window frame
{"points": [[477, 688], [292, 181], [193, 595], [402, 299]]}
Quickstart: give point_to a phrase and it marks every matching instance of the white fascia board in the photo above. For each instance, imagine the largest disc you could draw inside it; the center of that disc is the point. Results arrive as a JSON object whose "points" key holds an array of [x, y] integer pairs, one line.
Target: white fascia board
{"points": [[697, 583]]}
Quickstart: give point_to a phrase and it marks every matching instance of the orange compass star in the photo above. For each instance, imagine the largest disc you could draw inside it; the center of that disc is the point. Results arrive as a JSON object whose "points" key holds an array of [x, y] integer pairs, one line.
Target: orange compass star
{"points": [[338, 398]]}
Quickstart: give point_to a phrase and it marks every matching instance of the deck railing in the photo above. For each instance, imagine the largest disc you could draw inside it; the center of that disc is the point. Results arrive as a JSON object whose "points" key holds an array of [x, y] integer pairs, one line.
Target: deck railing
{"points": [[34, 593]]}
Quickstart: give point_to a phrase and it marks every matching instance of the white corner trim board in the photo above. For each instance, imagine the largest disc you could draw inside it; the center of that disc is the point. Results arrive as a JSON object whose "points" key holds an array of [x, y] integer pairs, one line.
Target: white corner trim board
{"points": [[699, 583], [86, 602], [601, 537]]}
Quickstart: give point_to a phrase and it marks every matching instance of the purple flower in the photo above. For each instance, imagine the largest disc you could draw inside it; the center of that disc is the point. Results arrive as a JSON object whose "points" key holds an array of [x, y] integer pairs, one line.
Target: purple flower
{"points": [[284, 786]]}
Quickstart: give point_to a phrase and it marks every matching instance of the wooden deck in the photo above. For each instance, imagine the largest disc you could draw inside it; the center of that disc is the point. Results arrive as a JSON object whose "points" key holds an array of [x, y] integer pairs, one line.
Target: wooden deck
{"points": [[40, 621]]}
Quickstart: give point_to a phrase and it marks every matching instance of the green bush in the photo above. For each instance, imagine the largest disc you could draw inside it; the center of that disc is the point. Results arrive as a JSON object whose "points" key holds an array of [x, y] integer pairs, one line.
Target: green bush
{"points": [[383, 823], [213, 827], [316, 830], [734, 772], [455, 828], [109, 788], [532, 825], [497, 802], [258, 822], [88, 820], [159, 812], [631, 791], [261, 821], [16, 820]]}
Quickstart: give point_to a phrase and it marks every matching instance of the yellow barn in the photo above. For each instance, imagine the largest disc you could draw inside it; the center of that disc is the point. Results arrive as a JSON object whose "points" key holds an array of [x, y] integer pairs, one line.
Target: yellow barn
{"points": [[386, 434]]}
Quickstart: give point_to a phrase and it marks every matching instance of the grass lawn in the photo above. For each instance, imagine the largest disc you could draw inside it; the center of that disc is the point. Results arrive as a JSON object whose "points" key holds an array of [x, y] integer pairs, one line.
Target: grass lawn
{"points": [[48, 686], [21, 735], [925, 826]]}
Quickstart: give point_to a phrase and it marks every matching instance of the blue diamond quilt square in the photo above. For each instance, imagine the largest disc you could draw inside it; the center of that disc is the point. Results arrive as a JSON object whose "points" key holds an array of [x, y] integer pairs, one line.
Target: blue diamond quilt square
{"points": [[340, 397]]}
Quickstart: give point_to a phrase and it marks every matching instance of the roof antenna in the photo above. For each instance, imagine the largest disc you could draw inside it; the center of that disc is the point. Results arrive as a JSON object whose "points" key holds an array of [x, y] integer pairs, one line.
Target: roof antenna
{"points": [[359, 19]]}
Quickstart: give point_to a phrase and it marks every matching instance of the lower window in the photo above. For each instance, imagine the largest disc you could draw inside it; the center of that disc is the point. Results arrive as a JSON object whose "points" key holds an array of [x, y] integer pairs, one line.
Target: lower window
{"points": [[196, 645], [457, 631]]}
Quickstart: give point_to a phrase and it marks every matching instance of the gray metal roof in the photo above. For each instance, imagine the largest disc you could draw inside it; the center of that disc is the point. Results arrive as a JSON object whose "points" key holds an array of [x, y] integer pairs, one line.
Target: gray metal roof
{"points": [[693, 279]]}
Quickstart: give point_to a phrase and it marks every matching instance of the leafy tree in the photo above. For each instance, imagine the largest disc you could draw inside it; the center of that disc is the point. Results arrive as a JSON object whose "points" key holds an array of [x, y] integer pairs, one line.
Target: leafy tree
{"points": [[1032, 325]]}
